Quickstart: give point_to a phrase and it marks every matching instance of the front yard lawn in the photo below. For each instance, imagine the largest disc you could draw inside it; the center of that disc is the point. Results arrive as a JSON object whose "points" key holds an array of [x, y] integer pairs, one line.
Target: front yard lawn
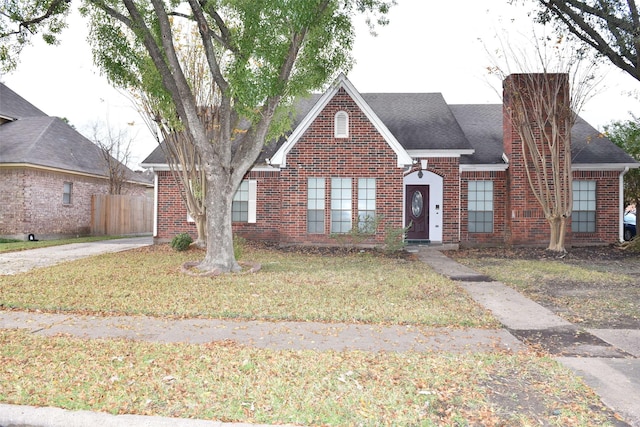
{"points": [[227, 382], [293, 286]]}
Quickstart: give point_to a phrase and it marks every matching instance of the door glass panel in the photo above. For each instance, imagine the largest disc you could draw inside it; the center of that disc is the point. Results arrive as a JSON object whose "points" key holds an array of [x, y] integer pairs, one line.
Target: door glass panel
{"points": [[416, 204]]}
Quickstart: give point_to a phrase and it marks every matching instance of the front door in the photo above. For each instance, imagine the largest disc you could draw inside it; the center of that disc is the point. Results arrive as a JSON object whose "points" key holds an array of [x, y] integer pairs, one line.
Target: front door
{"points": [[417, 212]]}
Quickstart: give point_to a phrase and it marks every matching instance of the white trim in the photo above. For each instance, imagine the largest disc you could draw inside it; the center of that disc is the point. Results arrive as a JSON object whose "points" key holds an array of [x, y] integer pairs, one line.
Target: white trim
{"points": [[441, 153], [155, 204], [252, 204], [484, 168], [155, 167], [621, 205], [280, 157], [603, 166], [436, 198], [264, 168]]}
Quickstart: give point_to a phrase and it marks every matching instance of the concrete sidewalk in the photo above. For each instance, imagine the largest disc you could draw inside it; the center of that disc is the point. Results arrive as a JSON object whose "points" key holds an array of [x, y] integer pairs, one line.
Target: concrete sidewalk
{"points": [[606, 359]]}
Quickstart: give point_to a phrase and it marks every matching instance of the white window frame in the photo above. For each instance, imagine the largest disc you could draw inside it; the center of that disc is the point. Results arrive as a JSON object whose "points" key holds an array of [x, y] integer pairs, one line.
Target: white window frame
{"points": [[367, 205], [67, 193], [249, 196], [341, 205], [584, 193], [316, 194], [341, 124], [480, 197]]}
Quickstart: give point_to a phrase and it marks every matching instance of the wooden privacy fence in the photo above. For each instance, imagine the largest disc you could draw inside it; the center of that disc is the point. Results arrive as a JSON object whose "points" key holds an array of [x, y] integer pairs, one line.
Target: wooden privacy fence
{"points": [[117, 215]]}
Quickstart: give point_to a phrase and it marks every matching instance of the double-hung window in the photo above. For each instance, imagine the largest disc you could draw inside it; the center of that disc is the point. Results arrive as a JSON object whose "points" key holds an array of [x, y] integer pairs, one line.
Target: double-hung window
{"points": [[583, 217], [315, 205], [480, 207], [367, 205], [243, 207], [67, 189], [340, 205]]}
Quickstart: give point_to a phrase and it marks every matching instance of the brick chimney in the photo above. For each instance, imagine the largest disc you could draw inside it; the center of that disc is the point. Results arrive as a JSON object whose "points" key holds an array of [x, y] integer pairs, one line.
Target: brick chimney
{"points": [[522, 94]]}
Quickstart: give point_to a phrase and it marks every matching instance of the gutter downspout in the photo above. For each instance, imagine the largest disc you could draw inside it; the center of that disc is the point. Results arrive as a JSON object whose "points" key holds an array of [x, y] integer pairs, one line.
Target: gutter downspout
{"points": [[155, 204], [621, 205]]}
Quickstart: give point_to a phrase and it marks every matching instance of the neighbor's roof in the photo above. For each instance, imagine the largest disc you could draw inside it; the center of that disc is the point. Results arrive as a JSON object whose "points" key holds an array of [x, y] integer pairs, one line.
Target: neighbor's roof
{"points": [[13, 106], [32, 137]]}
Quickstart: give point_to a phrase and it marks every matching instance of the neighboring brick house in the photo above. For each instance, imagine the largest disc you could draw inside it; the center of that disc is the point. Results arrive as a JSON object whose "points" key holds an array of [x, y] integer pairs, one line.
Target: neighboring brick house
{"points": [[48, 173], [407, 159]]}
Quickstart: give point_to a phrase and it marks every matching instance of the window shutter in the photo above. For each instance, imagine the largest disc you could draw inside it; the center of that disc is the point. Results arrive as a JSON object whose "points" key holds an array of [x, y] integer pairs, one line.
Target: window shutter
{"points": [[253, 195]]}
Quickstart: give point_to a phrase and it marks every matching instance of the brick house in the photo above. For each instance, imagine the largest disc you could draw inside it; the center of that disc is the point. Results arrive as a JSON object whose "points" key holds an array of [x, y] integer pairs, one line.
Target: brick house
{"points": [[48, 172], [448, 171]]}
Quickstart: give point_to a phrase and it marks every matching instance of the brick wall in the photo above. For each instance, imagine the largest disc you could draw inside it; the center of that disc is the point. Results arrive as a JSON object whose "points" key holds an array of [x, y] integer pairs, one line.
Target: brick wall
{"points": [[607, 208], [171, 210], [31, 202], [318, 154]]}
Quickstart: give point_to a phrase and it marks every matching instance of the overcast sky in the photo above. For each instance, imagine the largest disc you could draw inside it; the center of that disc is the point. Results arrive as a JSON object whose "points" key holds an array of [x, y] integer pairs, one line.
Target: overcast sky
{"points": [[429, 46]]}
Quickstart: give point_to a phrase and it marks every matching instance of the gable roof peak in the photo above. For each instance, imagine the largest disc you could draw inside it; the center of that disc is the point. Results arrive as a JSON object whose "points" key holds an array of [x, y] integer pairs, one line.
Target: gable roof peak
{"points": [[279, 158]]}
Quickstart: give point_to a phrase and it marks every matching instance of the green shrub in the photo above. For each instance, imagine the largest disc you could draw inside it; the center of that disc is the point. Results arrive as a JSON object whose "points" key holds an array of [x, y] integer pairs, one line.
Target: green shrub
{"points": [[181, 242], [394, 240]]}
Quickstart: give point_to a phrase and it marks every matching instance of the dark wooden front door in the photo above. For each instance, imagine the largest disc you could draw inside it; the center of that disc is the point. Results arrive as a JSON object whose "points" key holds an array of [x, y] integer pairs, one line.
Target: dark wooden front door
{"points": [[417, 212]]}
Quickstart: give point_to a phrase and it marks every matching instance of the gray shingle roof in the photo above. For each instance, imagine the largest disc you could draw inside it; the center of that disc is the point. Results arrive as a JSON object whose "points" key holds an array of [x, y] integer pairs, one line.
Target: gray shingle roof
{"points": [[482, 124], [424, 121], [14, 106], [37, 139], [419, 121]]}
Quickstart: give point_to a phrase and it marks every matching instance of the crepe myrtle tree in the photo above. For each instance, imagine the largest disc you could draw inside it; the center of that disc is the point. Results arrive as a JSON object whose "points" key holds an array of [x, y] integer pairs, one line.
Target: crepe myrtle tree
{"points": [[260, 54], [177, 146], [545, 85]]}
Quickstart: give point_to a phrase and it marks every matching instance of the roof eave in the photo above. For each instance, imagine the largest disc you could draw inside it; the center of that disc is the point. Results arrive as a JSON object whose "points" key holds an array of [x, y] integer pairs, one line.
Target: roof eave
{"points": [[604, 166], [497, 167], [441, 153]]}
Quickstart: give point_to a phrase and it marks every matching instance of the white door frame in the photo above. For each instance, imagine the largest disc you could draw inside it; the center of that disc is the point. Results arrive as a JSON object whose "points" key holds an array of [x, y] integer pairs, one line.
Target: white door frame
{"points": [[436, 185]]}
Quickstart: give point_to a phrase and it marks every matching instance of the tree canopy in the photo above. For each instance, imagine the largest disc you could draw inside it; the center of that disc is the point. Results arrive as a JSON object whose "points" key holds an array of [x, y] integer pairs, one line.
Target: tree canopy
{"points": [[22, 19], [626, 135], [259, 54], [610, 27]]}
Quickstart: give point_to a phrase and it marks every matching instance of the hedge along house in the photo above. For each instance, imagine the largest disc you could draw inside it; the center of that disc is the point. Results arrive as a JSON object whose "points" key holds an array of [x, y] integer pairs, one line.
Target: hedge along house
{"points": [[449, 173]]}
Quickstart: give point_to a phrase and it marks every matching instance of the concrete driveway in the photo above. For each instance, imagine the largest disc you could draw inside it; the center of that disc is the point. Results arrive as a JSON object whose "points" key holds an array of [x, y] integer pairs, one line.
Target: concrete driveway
{"points": [[21, 261]]}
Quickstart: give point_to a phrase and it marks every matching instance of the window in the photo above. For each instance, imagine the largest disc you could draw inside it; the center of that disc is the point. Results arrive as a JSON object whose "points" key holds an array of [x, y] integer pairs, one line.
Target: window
{"points": [[340, 205], [243, 207], [341, 124], [583, 218], [367, 204], [480, 206], [315, 205], [66, 193]]}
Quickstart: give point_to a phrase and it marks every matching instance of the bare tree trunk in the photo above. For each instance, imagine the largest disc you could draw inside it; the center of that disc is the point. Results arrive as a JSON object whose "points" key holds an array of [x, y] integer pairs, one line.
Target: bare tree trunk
{"points": [[219, 198]]}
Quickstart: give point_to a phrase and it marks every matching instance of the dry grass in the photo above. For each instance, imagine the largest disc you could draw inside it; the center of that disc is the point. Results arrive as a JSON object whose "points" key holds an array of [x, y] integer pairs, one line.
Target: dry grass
{"points": [[597, 294], [353, 287], [236, 384]]}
